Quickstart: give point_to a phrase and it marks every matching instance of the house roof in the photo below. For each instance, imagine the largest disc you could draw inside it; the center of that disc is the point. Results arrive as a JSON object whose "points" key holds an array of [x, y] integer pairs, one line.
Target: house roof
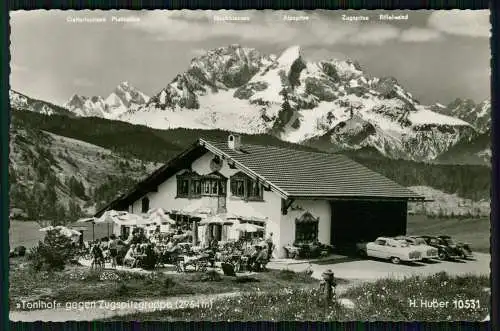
{"points": [[298, 173], [291, 173]]}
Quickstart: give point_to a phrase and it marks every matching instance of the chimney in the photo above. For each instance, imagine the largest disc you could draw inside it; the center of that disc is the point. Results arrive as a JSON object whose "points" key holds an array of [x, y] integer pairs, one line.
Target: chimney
{"points": [[234, 142]]}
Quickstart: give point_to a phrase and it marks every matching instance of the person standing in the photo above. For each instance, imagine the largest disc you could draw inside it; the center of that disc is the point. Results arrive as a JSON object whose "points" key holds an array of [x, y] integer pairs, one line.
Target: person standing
{"points": [[270, 245], [113, 250], [97, 256]]}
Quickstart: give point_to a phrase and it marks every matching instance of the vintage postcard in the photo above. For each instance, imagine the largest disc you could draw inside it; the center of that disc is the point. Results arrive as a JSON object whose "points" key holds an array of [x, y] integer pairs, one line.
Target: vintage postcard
{"points": [[250, 165]]}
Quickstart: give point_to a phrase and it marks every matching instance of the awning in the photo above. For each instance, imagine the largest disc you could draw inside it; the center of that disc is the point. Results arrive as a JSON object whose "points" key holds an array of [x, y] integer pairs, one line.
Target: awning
{"points": [[247, 227], [248, 212], [217, 219], [86, 220]]}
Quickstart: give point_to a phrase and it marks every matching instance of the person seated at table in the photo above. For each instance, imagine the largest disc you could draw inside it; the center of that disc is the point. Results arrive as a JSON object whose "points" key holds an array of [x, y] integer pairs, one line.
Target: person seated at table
{"points": [[150, 258], [129, 259], [252, 255], [140, 254], [214, 244], [262, 258]]}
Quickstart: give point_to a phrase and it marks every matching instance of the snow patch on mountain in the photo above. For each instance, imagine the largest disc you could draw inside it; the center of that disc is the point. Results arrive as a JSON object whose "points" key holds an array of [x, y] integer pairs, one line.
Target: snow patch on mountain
{"points": [[426, 116], [220, 111]]}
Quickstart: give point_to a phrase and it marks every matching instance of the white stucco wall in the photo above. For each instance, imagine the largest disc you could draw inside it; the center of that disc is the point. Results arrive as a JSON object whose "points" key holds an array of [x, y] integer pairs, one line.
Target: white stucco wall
{"points": [[166, 198], [318, 208], [282, 226]]}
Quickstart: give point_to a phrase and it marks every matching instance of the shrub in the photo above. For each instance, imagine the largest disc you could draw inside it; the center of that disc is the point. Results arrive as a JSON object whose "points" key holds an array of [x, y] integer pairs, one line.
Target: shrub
{"points": [[122, 289], [212, 276], [168, 283], [286, 274], [53, 253], [246, 279]]}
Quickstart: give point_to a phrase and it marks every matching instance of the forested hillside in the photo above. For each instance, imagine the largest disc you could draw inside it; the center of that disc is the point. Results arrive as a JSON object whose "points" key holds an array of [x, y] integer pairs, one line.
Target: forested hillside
{"points": [[46, 169]]}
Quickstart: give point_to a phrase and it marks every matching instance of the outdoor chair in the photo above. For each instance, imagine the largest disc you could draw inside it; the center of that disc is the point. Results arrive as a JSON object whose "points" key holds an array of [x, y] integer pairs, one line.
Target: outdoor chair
{"points": [[228, 269]]}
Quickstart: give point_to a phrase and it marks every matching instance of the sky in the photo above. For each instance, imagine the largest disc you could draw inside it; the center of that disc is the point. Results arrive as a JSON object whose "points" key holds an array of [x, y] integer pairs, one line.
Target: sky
{"points": [[435, 55]]}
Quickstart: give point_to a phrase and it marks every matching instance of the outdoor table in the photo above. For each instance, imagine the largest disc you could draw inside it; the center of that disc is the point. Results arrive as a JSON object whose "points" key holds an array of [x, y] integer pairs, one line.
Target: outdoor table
{"points": [[291, 251]]}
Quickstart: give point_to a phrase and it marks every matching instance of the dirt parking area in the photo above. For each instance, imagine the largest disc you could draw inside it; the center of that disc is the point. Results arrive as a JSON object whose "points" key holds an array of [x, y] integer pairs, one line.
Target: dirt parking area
{"points": [[372, 269]]}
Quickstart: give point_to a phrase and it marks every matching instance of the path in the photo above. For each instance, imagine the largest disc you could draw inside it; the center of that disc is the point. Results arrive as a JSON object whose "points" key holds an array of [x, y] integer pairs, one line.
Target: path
{"points": [[97, 310], [371, 269]]}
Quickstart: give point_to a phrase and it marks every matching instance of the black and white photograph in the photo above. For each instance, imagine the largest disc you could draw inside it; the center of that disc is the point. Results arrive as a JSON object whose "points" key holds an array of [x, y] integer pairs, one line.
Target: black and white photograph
{"points": [[249, 165]]}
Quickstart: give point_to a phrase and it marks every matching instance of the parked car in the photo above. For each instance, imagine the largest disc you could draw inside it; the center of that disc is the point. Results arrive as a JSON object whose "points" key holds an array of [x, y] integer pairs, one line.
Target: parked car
{"points": [[391, 249], [428, 252], [445, 251], [464, 248]]}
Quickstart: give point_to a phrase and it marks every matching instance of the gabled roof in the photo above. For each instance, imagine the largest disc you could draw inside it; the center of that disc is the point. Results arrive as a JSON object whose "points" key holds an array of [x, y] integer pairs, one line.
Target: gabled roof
{"points": [[297, 173], [291, 173]]}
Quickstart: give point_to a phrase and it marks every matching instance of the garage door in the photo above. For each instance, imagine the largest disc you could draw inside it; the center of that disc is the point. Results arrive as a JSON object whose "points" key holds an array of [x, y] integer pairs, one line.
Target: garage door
{"points": [[355, 221]]}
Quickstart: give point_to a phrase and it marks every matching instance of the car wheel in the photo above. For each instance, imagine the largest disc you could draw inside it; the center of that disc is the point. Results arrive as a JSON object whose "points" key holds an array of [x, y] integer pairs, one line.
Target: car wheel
{"points": [[442, 256], [362, 253], [395, 260]]}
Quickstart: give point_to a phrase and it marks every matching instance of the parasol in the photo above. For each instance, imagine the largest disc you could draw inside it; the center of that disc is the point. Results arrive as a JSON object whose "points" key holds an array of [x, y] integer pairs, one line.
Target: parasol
{"points": [[62, 230], [89, 220], [48, 228], [86, 220], [159, 218]]}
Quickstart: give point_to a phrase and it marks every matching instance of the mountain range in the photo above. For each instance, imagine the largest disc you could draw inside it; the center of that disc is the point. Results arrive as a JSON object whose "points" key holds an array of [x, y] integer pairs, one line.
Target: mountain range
{"points": [[124, 98], [333, 105]]}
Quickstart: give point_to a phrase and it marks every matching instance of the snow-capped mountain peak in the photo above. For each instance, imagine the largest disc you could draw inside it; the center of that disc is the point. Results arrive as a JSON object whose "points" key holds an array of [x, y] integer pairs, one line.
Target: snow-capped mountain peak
{"points": [[124, 97], [289, 56], [239, 89], [124, 85], [479, 115]]}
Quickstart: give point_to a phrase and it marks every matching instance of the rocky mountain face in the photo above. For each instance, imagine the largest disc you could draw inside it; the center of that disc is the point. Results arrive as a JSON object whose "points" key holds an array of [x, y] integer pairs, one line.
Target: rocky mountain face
{"points": [[23, 102], [475, 151], [124, 98], [479, 115], [326, 102]]}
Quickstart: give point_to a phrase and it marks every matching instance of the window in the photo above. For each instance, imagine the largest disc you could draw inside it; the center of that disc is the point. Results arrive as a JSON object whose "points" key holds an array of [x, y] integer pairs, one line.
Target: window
{"points": [[245, 187], [222, 188], [206, 187], [195, 187], [214, 186], [145, 205], [380, 242], [192, 185], [306, 228]]}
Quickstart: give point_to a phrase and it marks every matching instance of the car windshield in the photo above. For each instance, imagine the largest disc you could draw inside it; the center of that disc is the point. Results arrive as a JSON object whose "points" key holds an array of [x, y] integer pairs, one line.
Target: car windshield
{"points": [[402, 243], [420, 241], [449, 241]]}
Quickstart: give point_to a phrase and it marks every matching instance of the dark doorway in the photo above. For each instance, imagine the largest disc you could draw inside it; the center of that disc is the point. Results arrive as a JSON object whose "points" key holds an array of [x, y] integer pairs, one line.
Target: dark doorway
{"points": [[145, 205], [358, 221]]}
